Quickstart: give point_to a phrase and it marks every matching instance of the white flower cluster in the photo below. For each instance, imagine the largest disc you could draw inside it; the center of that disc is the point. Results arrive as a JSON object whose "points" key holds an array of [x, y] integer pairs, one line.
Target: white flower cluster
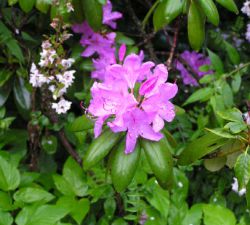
{"points": [[246, 8], [235, 187], [53, 72]]}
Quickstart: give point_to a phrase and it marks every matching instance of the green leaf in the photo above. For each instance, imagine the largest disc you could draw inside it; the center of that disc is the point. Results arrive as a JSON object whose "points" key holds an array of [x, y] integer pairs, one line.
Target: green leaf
{"points": [[236, 127], [80, 124], [74, 175], [196, 26], [27, 5], [6, 201], [49, 144], [160, 200], [5, 218], [78, 209], [4, 76], [22, 97], [215, 164], [160, 160], [93, 13], [15, 49], [63, 185], [216, 62], [199, 95], [43, 5], [232, 52], [211, 11], [221, 133], [100, 147], [233, 115], [229, 4], [124, 166], [227, 95], [242, 169], [166, 12], [12, 2], [9, 176], [32, 195], [109, 207], [4, 93], [194, 215], [40, 215], [200, 147], [236, 83], [218, 215]]}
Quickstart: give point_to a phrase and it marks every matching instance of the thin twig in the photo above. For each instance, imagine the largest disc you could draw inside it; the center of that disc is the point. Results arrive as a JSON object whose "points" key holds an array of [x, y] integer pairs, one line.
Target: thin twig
{"points": [[174, 45], [149, 45]]}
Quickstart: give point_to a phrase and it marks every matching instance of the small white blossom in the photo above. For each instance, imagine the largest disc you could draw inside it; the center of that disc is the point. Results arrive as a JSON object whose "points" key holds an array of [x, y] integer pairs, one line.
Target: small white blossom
{"points": [[235, 187], [62, 106], [248, 33], [66, 78], [69, 7], [46, 44], [180, 184], [246, 117], [246, 8], [67, 63], [36, 78]]}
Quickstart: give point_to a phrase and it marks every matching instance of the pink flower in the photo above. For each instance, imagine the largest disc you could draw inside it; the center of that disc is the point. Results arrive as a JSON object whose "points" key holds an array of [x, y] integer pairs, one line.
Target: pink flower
{"points": [[141, 114], [109, 17]]}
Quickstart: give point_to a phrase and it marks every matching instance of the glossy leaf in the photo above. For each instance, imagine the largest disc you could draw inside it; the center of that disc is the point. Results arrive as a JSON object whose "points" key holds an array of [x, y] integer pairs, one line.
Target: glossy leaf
{"points": [[216, 62], [49, 144], [160, 160], [196, 26], [27, 5], [80, 124], [166, 12], [93, 13], [100, 147], [229, 4], [211, 11], [124, 166]]}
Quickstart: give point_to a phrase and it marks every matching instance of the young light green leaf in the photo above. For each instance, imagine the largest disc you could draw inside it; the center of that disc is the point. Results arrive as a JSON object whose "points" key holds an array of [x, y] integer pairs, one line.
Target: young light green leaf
{"points": [[32, 195], [5, 218], [74, 174], [199, 95], [218, 215], [216, 62], [242, 169], [9, 176], [232, 52]]}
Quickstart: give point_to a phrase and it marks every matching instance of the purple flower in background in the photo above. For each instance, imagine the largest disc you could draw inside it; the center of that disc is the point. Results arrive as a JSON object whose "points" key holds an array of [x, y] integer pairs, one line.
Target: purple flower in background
{"points": [[109, 17], [139, 111], [190, 62], [100, 44]]}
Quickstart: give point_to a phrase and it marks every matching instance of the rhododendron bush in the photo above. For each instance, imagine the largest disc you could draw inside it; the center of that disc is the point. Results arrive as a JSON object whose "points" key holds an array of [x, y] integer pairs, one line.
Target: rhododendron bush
{"points": [[124, 112]]}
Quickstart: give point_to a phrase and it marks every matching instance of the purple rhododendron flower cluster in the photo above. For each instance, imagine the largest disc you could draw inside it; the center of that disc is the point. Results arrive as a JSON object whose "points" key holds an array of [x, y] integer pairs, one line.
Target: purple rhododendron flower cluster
{"points": [[192, 61], [134, 97], [101, 44]]}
